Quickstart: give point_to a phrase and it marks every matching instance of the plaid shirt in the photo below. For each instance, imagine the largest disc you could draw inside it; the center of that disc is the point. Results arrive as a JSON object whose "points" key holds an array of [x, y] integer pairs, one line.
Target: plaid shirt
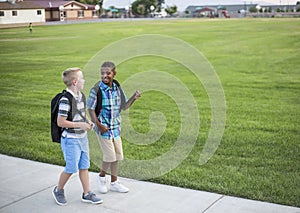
{"points": [[110, 112]]}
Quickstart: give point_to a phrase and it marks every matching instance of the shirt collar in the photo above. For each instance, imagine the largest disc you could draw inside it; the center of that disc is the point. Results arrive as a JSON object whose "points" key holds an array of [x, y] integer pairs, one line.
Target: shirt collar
{"points": [[105, 87], [73, 94]]}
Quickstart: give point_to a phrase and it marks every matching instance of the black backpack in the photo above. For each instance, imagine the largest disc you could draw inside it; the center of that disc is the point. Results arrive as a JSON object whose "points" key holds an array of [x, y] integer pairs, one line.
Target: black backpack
{"points": [[56, 131], [96, 88]]}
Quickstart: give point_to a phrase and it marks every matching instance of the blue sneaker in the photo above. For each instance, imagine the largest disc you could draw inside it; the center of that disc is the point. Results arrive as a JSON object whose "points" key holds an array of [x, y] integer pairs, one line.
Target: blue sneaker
{"points": [[91, 198], [59, 196]]}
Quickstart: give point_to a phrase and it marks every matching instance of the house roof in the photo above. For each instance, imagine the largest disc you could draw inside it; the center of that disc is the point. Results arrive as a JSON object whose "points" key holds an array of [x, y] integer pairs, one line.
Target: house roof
{"points": [[47, 4], [19, 5], [206, 9]]}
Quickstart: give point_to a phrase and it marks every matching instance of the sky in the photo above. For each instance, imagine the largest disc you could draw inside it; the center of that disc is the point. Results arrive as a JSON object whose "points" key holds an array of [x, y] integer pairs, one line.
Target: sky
{"points": [[182, 4]]}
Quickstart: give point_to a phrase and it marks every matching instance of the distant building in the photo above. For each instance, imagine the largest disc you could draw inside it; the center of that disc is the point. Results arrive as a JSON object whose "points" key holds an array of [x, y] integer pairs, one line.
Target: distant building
{"points": [[60, 10], [20, 13], [238, 10]]}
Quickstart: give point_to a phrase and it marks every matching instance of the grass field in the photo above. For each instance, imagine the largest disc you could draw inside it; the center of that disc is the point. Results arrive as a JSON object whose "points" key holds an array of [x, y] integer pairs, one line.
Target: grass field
{"points": [[257, 62]]}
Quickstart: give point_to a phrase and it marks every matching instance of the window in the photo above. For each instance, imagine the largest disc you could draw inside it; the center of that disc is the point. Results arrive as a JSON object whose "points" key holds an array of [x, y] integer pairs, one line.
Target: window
{"points": [[63, 14], [95, 13], [1, 13], [80, 14], [14, 13], [39, 12]]}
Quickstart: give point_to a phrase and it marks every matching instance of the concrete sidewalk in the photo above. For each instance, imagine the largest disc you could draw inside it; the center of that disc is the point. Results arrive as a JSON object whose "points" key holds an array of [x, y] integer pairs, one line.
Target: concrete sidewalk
{"points": [[26, 187]]}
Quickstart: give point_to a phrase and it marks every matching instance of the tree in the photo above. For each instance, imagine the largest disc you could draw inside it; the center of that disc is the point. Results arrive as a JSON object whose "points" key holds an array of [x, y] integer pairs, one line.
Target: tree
{"points": [[269, 9], [142, 7], [114, 11], [141, 10], [171, 10], [252, 9], [159, 4], [100, 2]]}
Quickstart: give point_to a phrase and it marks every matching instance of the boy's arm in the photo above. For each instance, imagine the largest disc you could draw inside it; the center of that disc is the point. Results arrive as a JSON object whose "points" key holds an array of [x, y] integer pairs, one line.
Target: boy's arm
{"points": [[132, 99], [90, 122], [63, 122], [93, 116], [95, 120]]}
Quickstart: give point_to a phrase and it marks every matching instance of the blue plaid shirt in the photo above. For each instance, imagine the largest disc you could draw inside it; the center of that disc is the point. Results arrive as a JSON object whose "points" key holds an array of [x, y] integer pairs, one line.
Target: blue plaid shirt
{"points": [[110, 112]]}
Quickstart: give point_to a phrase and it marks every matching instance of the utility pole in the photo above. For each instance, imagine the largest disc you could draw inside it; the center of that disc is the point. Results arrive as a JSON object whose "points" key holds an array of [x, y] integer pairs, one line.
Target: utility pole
{"points": [[245, 8]]}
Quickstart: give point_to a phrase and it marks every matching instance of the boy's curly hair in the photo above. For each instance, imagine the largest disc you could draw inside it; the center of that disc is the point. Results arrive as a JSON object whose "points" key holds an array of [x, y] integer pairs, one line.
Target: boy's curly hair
{"points": [[108, 66]]}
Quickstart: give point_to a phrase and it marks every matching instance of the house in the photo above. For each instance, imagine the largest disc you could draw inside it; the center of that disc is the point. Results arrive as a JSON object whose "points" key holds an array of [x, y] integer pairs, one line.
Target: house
{"points": [[215, 10], [205, 12], [20, 13], [241, 10], [59, 10]]}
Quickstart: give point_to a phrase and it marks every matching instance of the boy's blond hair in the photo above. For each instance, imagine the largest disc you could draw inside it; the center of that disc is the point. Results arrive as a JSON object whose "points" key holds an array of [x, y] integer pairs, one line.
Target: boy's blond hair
{"points": [[69, 75]]}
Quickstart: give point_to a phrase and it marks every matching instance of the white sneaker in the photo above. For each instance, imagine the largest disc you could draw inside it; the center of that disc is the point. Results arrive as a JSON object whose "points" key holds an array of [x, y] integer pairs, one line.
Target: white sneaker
{"points": [[102, 184], [118, 187]]}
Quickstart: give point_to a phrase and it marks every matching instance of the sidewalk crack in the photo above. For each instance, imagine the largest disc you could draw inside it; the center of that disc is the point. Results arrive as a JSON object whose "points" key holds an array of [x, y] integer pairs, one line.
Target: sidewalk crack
{"points": [[213, 203], [25, 197]]}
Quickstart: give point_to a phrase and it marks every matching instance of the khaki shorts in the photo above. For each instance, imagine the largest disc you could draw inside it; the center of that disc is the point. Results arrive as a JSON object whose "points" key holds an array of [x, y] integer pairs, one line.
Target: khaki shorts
{"points": [[111, 148]]}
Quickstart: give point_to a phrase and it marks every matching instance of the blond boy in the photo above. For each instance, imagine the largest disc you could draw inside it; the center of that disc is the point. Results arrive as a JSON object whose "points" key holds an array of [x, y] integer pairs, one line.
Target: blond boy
{"points": [[74, 141]]}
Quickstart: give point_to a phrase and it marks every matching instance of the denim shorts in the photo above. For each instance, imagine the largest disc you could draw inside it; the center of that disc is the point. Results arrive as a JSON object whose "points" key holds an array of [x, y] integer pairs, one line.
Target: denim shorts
{"points": [[76, 154]]}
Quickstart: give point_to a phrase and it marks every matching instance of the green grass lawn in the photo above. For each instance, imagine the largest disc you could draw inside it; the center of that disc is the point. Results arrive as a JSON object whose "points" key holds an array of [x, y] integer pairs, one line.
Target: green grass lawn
{"points": [[257, 62]]}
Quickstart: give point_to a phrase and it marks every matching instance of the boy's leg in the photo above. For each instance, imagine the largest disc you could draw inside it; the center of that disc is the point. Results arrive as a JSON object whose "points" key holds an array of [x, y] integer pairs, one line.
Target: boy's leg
{"points": [[63, 179], [114, 171], [83, 165], [85, 181], [108, 151], [104, 169], [115, 185], [87, 195], [101, 178], [112, 153], [117, 154], [58, 191]]}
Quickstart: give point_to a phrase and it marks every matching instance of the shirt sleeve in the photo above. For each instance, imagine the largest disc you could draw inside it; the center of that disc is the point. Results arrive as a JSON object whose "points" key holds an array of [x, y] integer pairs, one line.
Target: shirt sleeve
{"points": [[92, 100], [64, 107]]}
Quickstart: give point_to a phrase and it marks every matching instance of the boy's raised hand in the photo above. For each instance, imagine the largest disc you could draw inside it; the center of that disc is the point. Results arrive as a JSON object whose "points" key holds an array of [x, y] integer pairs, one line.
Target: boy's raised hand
{"points": [[137, 94]]}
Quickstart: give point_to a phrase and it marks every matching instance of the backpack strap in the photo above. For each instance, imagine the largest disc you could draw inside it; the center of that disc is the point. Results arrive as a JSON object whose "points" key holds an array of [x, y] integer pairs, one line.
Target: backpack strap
{"points": [[69, 96], [98, 108], [123, 101], [74, 110]]}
